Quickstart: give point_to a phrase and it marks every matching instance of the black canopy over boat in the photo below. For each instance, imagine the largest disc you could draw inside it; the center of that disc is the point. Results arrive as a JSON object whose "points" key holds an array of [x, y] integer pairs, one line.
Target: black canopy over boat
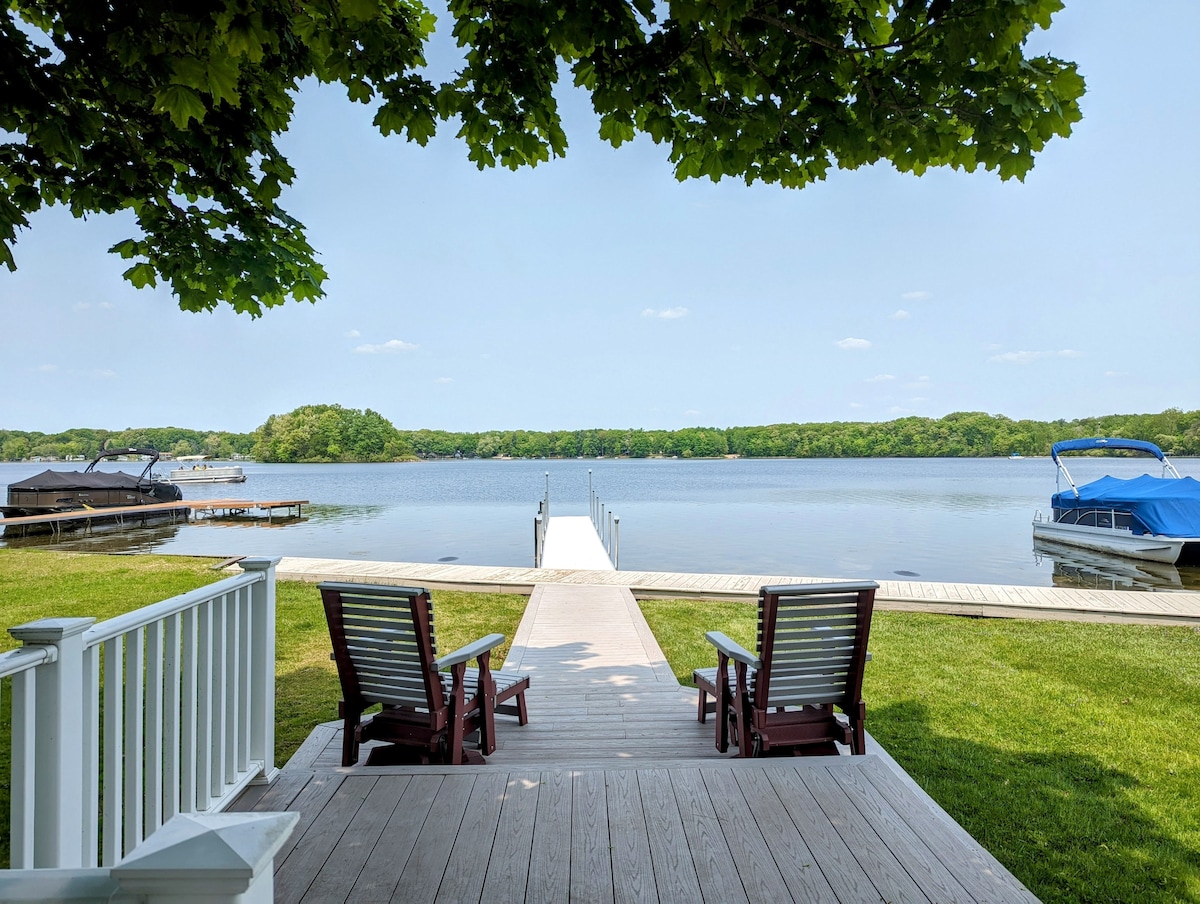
{"points": [[64, 491]]}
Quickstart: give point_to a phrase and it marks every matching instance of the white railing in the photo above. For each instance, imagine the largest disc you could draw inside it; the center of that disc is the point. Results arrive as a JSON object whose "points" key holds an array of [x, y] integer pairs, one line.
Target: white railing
{"points": [[119, 726]]}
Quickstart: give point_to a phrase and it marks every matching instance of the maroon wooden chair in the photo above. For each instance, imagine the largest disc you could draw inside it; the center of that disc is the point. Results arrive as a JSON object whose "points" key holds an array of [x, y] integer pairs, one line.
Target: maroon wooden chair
{"points": [[812, 647], [386, 653]]}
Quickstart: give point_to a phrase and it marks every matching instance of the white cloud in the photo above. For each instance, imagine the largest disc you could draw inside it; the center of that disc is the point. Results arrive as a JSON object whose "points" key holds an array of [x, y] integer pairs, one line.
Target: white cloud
{"points": [[1025, 357], [386, 348], [1116, 373], [47, 368], [352, 334], [104, 374], [666, 313], [896, 409], [852, 344], [857, 405], [107, 306], [444, 380], [692, 412], [1016, 357], [916, 296], [879, 378], [901, 315]]}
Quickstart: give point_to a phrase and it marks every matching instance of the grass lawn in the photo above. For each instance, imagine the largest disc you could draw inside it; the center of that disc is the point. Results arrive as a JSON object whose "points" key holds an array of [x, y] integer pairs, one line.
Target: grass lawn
{"points": [[1070, 750]]}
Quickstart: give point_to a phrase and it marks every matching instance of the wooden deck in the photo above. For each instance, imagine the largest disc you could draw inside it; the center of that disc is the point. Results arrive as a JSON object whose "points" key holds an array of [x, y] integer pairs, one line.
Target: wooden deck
{"points": [[831, 829], [1174, 607], [614, 792]]}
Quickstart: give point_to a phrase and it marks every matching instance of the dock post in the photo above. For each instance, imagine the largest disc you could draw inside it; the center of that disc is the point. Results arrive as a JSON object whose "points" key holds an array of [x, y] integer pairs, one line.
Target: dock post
{"points": [[616, 558]]}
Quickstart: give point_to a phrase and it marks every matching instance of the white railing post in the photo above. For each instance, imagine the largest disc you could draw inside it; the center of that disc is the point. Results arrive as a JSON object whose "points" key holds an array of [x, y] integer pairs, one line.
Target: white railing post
{"points": [[262, 667], [207, 859], [58, 725]]}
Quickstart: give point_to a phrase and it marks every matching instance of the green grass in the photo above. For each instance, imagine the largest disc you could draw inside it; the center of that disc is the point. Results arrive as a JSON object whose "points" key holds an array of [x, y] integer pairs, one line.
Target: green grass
{"points": [[1069, 750]]}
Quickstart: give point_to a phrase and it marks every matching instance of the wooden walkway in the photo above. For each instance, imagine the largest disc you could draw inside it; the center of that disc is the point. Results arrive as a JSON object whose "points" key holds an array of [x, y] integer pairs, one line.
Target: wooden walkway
{"points": [[615, 793], [1174, 607]]}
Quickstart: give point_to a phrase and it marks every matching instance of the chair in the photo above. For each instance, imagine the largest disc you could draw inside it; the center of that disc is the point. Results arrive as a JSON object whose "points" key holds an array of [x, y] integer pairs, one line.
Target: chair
{"points": [[812, 646], [385, 650]]}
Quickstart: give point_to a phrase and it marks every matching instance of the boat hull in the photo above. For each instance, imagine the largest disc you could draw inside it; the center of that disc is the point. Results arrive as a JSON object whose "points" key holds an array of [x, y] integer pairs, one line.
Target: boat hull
{"points": [[205, 474], [1147, 547]]}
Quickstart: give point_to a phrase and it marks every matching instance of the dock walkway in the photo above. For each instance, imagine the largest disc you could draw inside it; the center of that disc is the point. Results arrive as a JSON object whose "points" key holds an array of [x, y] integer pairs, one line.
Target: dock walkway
{"points": [[571, 542], [1172, 607]]}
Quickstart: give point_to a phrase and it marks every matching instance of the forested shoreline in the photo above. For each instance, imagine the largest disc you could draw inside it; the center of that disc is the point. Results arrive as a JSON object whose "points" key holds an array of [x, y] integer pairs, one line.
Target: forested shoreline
{"points": [[331, 433]]}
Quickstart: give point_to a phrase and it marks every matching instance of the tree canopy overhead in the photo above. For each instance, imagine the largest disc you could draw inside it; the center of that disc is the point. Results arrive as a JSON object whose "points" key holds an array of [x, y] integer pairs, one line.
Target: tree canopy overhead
{"points": [[172, 109]]}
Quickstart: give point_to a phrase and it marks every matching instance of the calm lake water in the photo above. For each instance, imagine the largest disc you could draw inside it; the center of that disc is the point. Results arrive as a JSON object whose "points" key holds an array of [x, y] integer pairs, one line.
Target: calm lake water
{"points": [[901, 519]]}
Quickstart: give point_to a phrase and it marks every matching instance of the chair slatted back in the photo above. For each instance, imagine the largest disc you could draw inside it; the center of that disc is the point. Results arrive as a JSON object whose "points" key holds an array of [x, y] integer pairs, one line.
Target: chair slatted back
{"points": [[812, 642], [383, 643]]}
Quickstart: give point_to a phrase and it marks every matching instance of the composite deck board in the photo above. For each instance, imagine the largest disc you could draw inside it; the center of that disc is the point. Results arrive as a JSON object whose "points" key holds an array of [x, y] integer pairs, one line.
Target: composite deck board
{"points": [[591, 845], [706, 843], [346, 861], [467, 869], [313, 848], [386, 864], [675, 878]]}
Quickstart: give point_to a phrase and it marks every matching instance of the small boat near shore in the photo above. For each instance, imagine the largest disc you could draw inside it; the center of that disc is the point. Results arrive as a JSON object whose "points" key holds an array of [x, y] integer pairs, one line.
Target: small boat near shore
{"points": [[206, 473], [52, 492], [1156, 519]]}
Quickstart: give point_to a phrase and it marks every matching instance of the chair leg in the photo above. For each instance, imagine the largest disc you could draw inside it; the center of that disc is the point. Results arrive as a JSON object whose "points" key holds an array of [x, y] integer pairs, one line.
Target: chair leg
{"points": [[485, 695], [702, 707], [522, 711], [350, 723], [858, 738]]}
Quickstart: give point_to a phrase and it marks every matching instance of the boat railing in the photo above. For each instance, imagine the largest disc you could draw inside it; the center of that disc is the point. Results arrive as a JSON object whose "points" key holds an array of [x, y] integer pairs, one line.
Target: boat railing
{"points": [[1108, 518], [119, 726]]}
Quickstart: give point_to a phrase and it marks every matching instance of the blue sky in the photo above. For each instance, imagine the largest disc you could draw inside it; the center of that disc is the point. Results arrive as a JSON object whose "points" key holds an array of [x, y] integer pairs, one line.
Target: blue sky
{"points": [[596, 291]]}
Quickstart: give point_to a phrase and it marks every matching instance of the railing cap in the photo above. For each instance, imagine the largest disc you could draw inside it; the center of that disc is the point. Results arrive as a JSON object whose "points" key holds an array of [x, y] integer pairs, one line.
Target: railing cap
{"points": [[192, 846], [259, 563], [50, 630]]}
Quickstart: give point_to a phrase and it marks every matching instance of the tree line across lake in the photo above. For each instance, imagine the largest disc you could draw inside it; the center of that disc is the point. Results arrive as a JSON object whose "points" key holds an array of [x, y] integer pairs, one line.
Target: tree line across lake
{"points": [[331, 433]]}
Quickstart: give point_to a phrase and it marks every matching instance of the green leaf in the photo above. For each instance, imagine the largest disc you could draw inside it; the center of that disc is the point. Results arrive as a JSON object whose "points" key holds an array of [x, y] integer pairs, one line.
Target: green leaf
{"points": [[141, 275], [126, 249], [181, 103]]}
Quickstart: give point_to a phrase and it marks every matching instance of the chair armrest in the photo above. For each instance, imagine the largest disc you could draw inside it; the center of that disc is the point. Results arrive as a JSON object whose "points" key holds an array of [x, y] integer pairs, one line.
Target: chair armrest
{"points": [[469, 652], [731, 649]]}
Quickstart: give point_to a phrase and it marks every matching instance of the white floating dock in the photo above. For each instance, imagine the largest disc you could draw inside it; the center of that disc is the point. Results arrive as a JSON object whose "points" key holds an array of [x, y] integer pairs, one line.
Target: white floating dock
{"points": [[572, 542]]}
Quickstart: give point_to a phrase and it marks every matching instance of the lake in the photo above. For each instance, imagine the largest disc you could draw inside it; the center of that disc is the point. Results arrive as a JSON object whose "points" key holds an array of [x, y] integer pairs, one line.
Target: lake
{"points": [[957, 520]]}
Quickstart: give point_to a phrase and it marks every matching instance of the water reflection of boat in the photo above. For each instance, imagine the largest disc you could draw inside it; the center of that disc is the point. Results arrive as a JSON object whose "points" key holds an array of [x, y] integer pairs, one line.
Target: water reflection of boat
{"points": [[1077, 567], [1150, 518], [51, 492]]}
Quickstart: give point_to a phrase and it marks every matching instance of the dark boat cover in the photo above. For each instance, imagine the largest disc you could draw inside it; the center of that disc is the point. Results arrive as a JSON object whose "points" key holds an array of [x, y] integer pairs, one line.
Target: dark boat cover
{"points": [[1167, 506], [78, 480]]}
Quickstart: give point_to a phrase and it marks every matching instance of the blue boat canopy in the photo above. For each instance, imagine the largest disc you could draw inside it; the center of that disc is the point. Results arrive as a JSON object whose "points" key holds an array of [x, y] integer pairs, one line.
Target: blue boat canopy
{"points": [[1166, 506], [1111, 442]]}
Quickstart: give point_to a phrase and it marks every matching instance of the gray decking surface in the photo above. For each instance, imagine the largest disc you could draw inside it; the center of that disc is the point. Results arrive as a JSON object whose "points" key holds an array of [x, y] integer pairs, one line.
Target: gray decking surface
{"points": [[614, 792]]}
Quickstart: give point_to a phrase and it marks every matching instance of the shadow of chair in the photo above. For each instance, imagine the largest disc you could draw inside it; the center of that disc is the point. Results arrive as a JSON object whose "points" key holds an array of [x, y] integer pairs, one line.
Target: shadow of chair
{"points": [[812, 646], [386, 653]]}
